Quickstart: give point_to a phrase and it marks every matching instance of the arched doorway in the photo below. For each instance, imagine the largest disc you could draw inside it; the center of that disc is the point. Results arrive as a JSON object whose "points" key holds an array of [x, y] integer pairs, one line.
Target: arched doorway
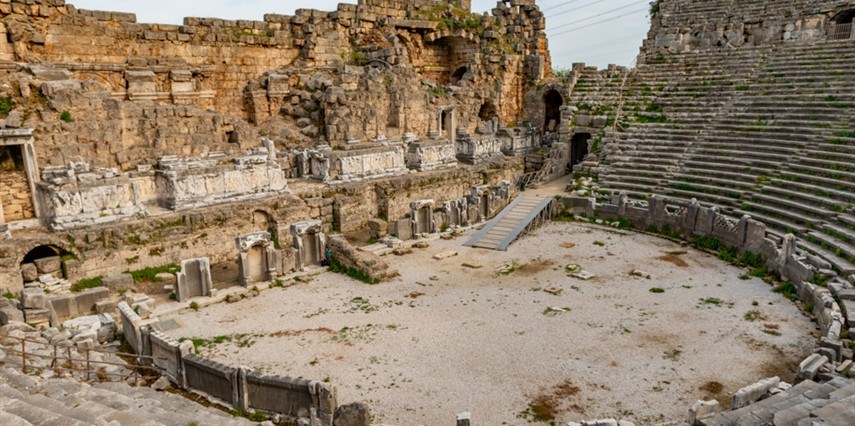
{"points": [[840, 27], [487, 112], [44, 260], [578, 149], [552, 111]]}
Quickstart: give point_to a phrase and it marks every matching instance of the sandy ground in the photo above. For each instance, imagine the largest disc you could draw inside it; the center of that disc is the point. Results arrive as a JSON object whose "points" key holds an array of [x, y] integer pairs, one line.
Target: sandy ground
{"points": [[444, 338]]}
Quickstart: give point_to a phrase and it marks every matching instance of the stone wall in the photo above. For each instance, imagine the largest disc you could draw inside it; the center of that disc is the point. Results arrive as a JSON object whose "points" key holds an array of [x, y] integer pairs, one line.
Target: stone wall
{"points": [[15, 196], [170, 237], [296, 399], [686, 25], [118, 93], [367, 263]]}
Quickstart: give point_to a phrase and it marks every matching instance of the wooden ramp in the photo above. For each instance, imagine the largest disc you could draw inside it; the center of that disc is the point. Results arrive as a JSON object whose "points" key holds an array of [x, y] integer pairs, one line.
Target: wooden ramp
{"points": [[522, 214]]}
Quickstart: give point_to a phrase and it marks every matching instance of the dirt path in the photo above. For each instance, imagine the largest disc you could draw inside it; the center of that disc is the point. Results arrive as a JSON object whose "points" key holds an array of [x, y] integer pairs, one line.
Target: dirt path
{"points": [[444, 338]]}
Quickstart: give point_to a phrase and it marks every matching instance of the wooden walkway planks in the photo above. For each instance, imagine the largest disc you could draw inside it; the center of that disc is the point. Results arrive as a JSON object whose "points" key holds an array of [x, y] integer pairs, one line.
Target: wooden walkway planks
{"points": [[508, 225]]}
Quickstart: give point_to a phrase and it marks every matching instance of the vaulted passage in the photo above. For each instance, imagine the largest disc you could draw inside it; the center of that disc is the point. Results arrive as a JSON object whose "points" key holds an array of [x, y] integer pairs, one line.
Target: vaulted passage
{"points": [[840, 27], [578, 148], [552, 114]]}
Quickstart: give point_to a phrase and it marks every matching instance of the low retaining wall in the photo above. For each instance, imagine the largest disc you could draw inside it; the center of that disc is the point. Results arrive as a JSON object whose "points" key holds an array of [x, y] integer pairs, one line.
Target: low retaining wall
{"points": [[303, 401], [74, 305], [368, 263], [131, 324]]}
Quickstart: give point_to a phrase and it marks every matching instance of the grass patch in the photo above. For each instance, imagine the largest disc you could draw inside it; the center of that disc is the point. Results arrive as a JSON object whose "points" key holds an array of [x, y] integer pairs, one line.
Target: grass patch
{"points": [[787, 290], [337, 267], [7, 104], [87, 283], [66, 117], [150, 274], [754, 315], [657, 290]]}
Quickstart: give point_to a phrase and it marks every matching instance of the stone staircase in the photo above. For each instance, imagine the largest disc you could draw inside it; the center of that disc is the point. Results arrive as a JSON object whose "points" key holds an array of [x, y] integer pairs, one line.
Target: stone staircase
{"points": [[31, 400], [807, 403], [765, 131]]}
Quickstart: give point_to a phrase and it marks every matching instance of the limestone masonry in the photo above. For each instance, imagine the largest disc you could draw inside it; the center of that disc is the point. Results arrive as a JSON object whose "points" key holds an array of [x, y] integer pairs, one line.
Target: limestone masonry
{"points": [[150, 164]]}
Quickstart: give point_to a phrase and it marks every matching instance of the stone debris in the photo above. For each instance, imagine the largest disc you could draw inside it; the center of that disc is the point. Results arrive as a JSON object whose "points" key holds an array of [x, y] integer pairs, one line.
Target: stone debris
{"points": [[554, 290], [583, 275], [445, 255], [472, 265], [640, 273], [572, 268]]}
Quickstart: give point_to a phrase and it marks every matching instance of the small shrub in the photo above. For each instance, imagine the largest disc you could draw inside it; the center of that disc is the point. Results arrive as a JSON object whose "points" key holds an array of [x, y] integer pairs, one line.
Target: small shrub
{"points": [[707, 243], [787, 290], [173, 296], [657, 290], [6, 106], [194, 306], [150, 274], [87, 283], [66, 117], [9, 295], [444, 227]]}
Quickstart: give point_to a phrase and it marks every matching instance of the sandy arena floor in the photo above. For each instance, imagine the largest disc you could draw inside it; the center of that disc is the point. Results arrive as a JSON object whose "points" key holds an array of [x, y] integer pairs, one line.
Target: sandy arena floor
{"points": [[443, 339]]}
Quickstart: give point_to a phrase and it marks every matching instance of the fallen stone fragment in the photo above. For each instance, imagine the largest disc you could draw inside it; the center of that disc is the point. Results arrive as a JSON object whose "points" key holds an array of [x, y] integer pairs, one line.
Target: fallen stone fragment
{"points": [[639, 273], [583, 275], [472, 265], [445, 255], [421, 245], [568, 245], [402, 251], [554, 290], [572, 268]]}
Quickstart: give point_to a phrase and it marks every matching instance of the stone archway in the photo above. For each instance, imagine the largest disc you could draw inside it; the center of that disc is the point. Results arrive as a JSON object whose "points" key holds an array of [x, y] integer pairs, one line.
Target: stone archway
{"points": [[840, 26], [45, 259], [552, 103]]}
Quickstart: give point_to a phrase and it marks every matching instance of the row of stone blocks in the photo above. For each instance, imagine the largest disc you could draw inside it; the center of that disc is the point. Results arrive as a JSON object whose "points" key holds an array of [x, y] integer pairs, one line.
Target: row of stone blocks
{"points": [[236, 386]]}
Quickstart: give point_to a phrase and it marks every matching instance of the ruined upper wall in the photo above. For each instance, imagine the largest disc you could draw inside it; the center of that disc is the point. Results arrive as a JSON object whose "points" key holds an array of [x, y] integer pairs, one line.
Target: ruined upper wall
{"points": [[112, 71], [690, 25]]}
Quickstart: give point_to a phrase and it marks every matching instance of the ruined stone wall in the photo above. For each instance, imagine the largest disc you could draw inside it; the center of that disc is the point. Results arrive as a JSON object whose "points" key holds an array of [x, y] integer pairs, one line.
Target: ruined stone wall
{"points": [[15, 196], [117, 93], [112, 248], [688, 25]]}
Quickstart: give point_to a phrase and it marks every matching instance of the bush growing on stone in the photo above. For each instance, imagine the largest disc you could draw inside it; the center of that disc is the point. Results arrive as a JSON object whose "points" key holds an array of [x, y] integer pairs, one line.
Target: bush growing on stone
{"points": [[6, 106], [87, 283], [150, 274], [194, 306], [787, 290]]}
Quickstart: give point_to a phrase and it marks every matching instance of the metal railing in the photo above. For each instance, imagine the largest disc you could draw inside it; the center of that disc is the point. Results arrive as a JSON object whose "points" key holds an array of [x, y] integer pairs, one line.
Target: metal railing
{"points": [[63, 360], [840, 31]]}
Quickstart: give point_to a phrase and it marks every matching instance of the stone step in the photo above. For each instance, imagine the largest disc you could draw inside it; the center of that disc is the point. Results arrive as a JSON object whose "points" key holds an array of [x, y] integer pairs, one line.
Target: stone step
{"points": [[834, 243], [840, 264], [783, 193], [38, 415], [819, 191], [9, 419], [775, 222]]}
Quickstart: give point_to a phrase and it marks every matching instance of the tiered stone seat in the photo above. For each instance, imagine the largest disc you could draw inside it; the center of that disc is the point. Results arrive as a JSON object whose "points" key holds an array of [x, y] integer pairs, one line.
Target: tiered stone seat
{"points": [[27, 400], [764, 131], [830, 403]]}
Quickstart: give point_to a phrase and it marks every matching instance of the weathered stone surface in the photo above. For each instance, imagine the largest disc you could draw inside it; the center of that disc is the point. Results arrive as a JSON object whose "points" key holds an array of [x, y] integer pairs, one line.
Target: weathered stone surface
{"points": [[118, 282], [29, 272], [49, 265], [33, 298], [356, 414]]}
